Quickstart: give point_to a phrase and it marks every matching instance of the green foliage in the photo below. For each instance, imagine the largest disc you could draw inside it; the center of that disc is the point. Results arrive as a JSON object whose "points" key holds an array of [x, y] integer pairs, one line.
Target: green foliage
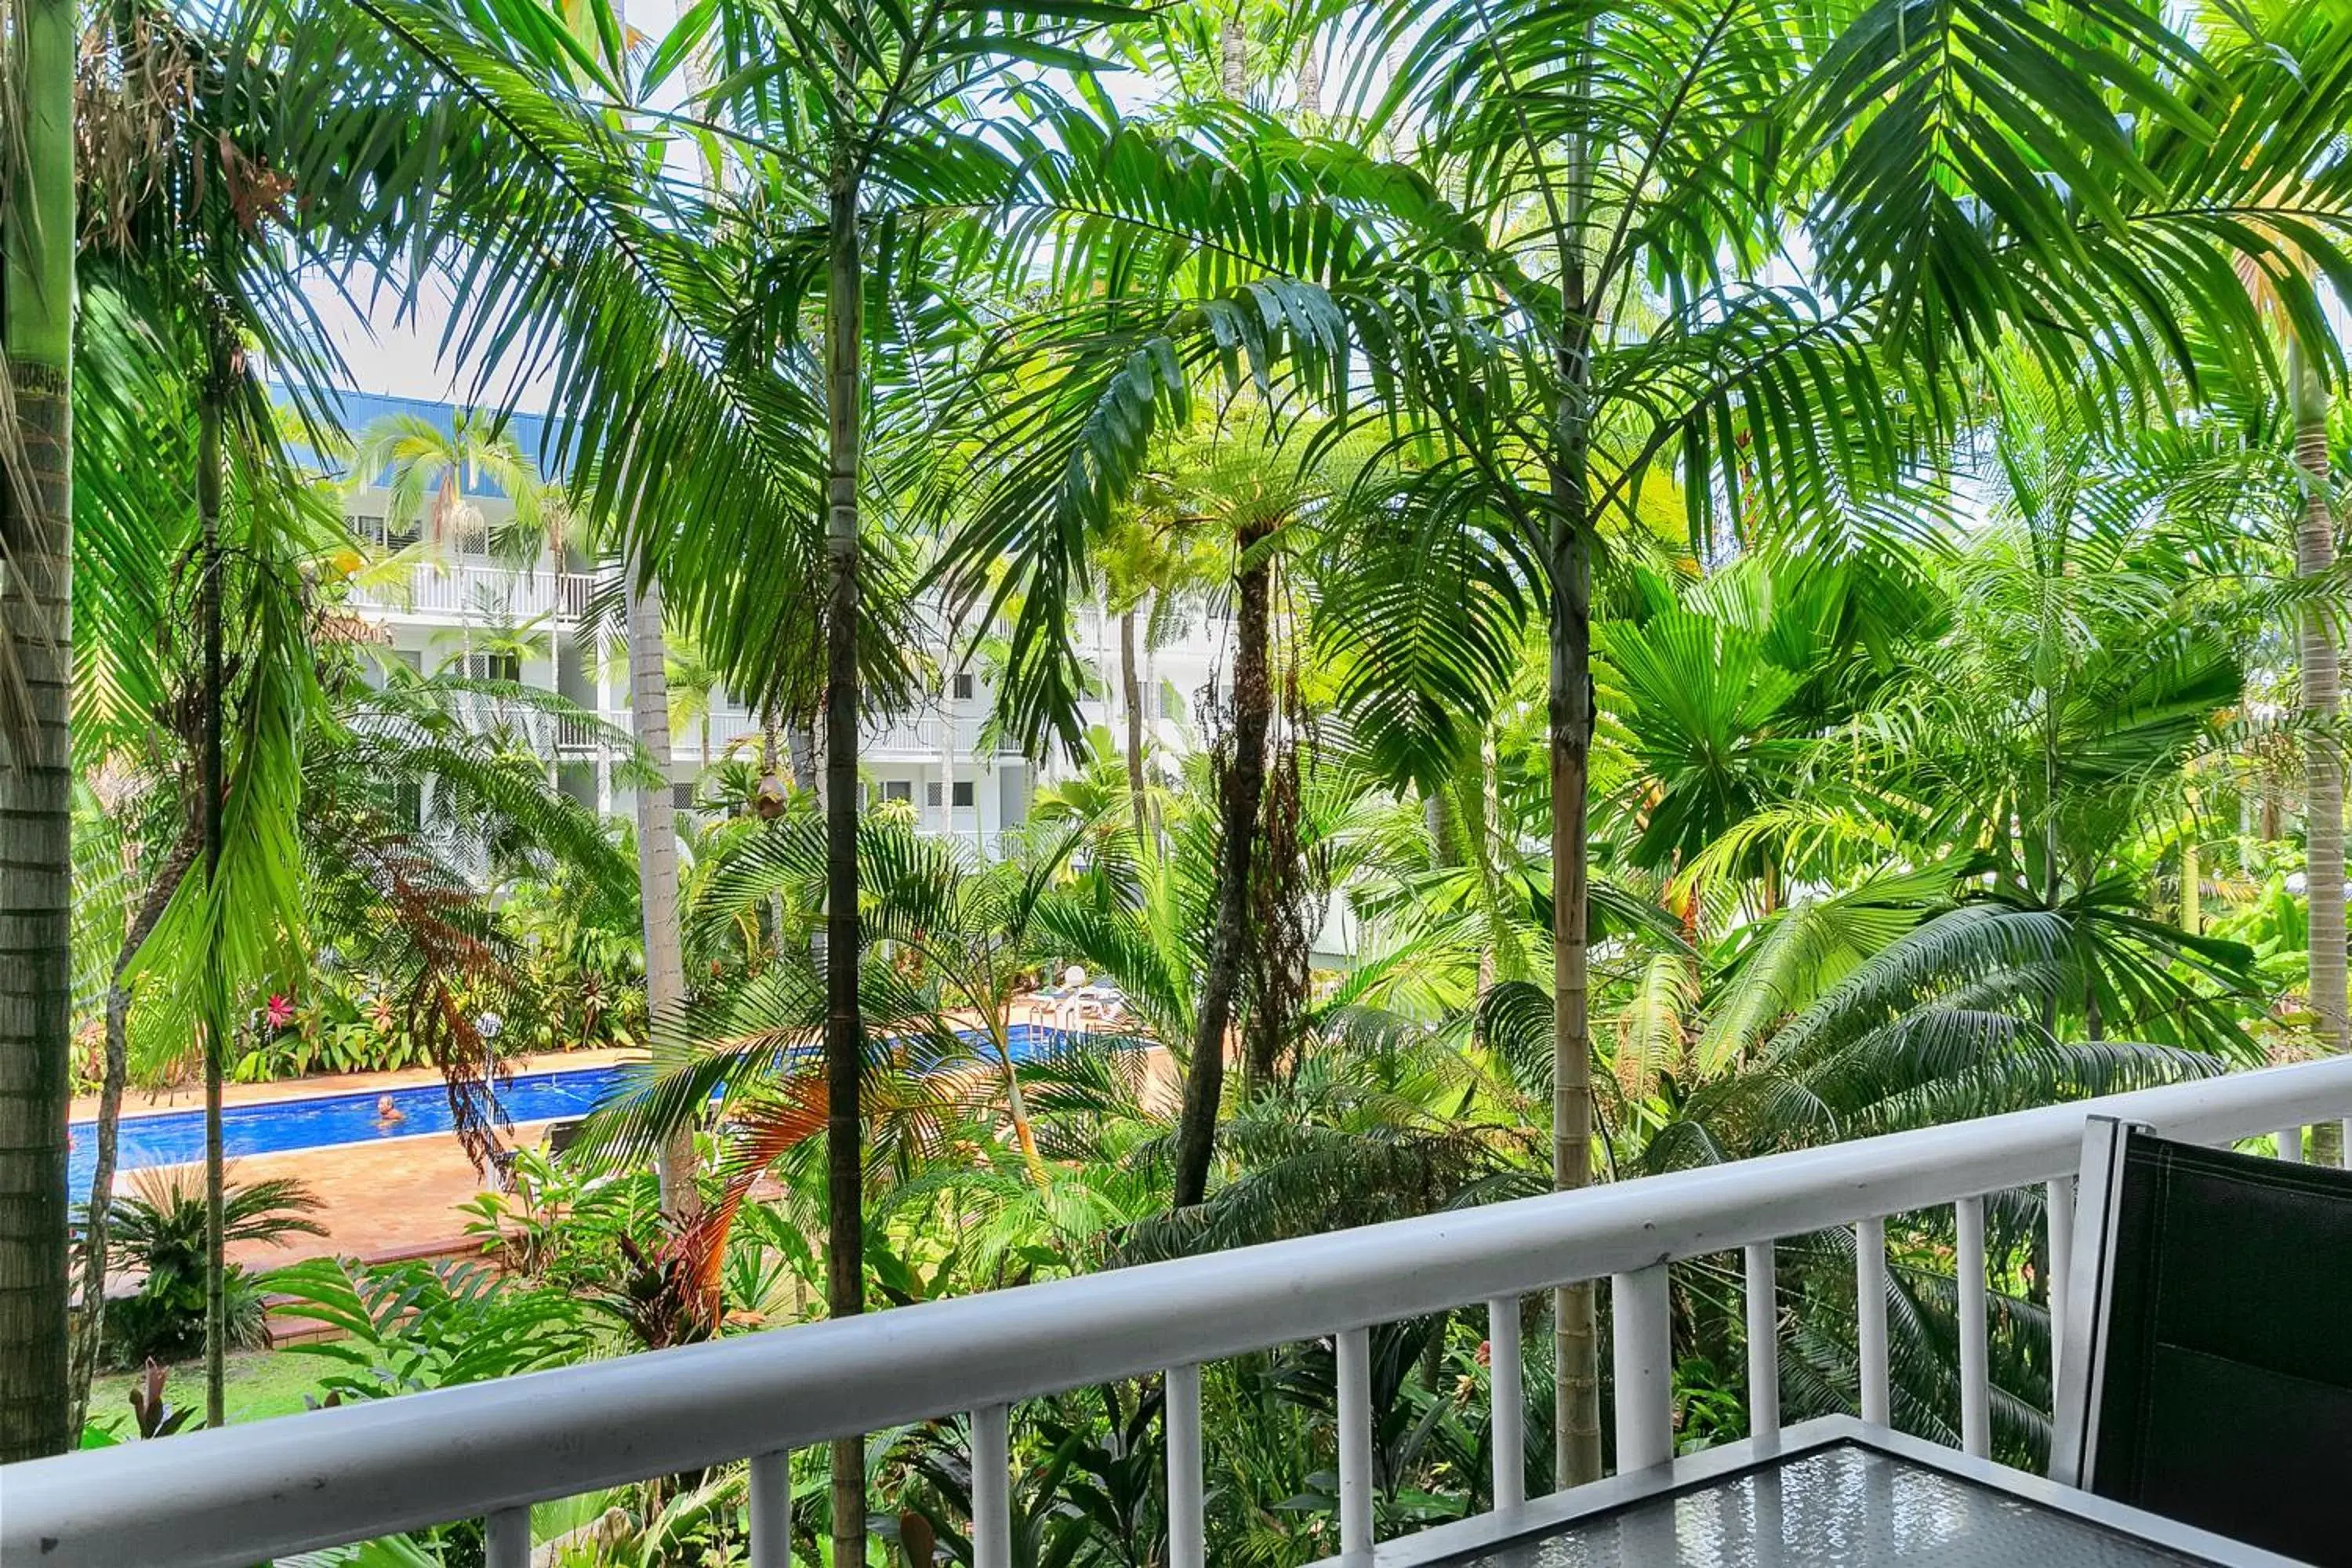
{"points": [[410, 1326], [161, 1229]]}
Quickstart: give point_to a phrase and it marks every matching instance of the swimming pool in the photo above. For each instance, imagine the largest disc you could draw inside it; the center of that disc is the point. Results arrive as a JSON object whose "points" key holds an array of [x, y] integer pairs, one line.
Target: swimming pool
{"points": [[324, 1122]]}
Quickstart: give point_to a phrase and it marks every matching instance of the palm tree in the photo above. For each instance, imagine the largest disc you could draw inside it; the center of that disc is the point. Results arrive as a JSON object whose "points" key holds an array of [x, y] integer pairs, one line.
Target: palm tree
{"points": [[883, 114], [2261, 49], [38, 46], [430, 471], [1644, 154]]}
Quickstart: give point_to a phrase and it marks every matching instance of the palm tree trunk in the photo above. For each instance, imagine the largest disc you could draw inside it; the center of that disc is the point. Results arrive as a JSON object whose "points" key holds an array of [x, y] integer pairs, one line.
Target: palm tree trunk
{"points": [[89, 1328], [800, 752], [2315, 553], [37, 256], [1576, 1331], [657, 869], [1238, 796], [1132, 692], [844, 1052], [1490, 828], [1233, 56], [210, 411]]}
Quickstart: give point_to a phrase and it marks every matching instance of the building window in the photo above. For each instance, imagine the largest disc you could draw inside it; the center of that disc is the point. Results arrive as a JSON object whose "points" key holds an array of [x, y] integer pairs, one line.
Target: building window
{"points": [[681, 795], [963, 687], [380, 532], [964, 792], [899, 789], [492, 666], [931, 793]]}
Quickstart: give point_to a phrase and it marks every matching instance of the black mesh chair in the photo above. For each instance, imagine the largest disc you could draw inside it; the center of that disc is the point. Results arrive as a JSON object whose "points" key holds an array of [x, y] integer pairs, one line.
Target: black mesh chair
{"points": [[2206, 1371]]}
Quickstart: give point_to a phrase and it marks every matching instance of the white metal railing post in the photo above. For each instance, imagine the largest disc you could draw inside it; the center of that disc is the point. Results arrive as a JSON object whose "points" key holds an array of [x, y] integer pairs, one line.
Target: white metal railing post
{"points": [[2289, 1144], [1870, 1316], [771, 1510], [1976, 1386], [992, 1486], [1507, 1409], [1642, 1347], [1186, 1542], [506, 1539], [1763, 1343], [2058, 1212], [1355, 1370]]}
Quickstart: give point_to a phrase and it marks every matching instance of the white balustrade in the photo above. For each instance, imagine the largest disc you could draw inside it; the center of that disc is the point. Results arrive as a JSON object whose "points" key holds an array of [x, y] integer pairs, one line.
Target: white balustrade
{"points": [[1186, 1546], [1976, 1382], [465, 587], [1506, 1403], [1762, 1270], [490, 1450], [1354, 1366], [771, 1510], [1870, 1318]]}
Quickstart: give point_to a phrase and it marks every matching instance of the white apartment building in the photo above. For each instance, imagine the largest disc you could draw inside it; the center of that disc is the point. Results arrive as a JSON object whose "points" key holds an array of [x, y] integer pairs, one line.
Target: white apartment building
{"points": [[462, 609]]}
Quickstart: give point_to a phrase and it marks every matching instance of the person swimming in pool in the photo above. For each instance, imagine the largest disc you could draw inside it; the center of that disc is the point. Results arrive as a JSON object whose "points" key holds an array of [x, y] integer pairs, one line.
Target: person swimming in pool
{"points": [[387, 1114]]}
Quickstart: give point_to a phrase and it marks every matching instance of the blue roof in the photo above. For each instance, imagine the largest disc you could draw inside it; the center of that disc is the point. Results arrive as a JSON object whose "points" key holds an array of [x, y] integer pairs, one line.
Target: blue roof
{"points": [[361, 409]]}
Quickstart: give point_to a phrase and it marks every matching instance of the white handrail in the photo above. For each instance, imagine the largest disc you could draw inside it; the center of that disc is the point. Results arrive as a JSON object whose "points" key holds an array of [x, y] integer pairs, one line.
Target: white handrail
{"points": [[299, 1482]]}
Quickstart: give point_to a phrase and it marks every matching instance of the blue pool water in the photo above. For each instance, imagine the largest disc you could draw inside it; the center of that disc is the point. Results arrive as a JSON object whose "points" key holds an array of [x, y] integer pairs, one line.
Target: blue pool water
{"points": [[177, 1137]]}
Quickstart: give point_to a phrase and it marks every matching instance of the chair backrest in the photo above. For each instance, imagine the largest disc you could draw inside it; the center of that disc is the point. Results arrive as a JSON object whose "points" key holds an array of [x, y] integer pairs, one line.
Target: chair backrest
{"points": [[2206, 1369]]}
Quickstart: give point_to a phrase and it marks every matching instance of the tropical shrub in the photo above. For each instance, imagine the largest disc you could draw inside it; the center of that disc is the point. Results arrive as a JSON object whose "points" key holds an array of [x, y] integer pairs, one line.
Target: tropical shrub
{"points": [[161, 1229]]}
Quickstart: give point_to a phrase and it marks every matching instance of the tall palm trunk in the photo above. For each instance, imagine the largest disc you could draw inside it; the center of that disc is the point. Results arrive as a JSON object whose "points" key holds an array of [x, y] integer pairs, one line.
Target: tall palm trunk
{"points": [[89, 1328], [843, 1053], [1238, 794], [1568, 699], [2322, 658], [1132, 692], [1576, 1334], [211, 409], [36, 257], [658, 868], [1233, 54]]}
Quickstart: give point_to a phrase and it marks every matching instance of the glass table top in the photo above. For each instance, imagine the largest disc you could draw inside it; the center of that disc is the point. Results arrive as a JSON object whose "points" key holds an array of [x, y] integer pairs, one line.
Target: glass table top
{"points": [[1835, 1506]]}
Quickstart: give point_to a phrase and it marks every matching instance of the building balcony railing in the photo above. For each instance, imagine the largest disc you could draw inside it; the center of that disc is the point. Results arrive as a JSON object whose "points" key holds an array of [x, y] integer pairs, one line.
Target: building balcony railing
{"points": [[917, 737], [491, 1450], [475, 588]]}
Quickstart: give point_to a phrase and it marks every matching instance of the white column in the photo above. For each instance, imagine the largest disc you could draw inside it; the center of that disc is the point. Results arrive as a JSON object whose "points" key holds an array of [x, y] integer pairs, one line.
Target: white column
{"points": [[2058, 1210], [1763, 1344], [506, 1537], [1870, 1318], [1506, 1403], [1976, 1389], [1642, 1344], [771, 1510], [1355, 1370], [1187, 1546], [992, 1487]]}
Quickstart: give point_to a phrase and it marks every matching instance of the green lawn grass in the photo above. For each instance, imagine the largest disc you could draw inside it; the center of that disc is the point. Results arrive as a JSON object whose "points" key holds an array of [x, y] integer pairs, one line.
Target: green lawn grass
{"points": [[261, 1384]]}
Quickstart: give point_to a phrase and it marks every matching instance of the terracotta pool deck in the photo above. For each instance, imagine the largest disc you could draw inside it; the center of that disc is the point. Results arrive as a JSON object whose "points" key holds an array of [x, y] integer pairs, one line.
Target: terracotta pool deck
{"points": [[384, 1198]]}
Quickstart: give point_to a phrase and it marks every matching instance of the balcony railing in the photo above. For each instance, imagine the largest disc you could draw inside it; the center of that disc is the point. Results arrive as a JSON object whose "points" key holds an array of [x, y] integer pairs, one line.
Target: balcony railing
{"points": [[491, 1450], [476, 587]]}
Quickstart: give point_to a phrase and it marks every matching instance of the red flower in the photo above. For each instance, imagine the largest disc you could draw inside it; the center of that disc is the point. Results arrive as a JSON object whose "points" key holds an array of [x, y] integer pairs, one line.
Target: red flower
{"points": [[280, 1012]]}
